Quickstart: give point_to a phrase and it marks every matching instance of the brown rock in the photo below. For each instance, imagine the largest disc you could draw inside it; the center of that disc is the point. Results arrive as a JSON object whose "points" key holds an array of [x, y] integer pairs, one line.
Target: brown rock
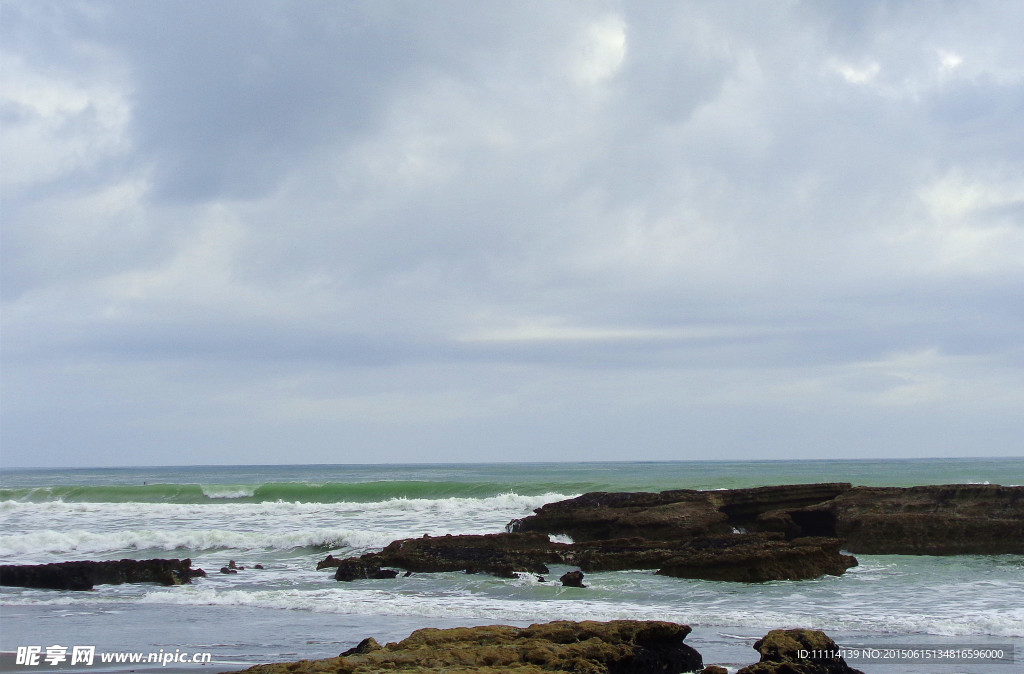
{"points": [[781, 654], [572, 579], [360, 569], [670, 515], [367, 645], [498, 554], [621, 646], [604, 515], [755, 559], [928, 520]]}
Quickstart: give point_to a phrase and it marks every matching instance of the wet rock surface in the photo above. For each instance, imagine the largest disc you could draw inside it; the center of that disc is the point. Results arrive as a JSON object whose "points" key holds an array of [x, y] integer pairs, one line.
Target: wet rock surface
{"points": [[572, 579], [619, 646], [798, 651], [786, 532], [735, 557], [496, 554], [85, 575], [927, 520], [924, 520], [670, 515]]}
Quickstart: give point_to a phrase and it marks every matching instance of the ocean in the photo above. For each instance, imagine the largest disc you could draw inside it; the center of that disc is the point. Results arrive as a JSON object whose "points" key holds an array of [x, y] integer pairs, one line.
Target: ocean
{"points": [[287, 518]]}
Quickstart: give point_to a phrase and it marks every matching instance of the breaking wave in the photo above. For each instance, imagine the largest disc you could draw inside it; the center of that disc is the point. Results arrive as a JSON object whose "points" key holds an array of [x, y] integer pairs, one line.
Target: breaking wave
{"points": [[303, 492]]}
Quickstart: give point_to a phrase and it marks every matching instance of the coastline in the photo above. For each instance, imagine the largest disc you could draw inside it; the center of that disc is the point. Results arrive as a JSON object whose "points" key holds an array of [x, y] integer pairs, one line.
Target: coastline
{"points": [[291, 612]]}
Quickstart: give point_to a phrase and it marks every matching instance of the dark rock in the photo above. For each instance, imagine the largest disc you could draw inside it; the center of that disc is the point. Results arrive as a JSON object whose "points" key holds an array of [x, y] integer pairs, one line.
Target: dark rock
{"points": [[736, 557], [258, 566], [604, 515], [231, 564], [743, 506], [357, 569], [669, 515], [714, 669], [780, 654], [572, 579], [85, 575], [497, 554], [928, 520], [228, 569], [754, 559], [367, 645], [619, 646], [328, 562], [788, 532]]}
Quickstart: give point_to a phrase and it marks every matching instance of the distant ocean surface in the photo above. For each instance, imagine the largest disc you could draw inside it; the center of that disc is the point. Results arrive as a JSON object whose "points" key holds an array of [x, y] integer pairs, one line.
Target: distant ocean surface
{"points": [[287, 518]]}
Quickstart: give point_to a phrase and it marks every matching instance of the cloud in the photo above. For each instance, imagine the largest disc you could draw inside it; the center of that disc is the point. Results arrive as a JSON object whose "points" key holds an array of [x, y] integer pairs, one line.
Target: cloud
{"points": [[383, 228]]}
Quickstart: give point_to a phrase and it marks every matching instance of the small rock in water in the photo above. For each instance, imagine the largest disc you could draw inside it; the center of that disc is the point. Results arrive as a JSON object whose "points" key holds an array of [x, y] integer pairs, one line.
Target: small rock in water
{"points": [[572, 579]]}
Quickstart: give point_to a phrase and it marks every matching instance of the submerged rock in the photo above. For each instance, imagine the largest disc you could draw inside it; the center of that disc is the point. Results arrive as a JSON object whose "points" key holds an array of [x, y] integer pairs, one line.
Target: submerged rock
{"points": [[84, 575], [798, 652], [621, 646]]}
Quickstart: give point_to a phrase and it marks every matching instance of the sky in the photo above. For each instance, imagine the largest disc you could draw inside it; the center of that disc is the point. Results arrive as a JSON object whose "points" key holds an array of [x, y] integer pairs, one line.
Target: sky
{"points": [[394, 231]]}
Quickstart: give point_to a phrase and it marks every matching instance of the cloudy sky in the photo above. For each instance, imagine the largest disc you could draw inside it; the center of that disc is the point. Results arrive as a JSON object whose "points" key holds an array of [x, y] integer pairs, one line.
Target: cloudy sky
{"points": [[289, 232]]}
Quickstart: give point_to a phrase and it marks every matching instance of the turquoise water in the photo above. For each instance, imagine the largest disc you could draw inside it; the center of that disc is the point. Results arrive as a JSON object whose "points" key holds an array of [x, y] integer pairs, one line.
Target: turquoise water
{"points": [[366, 483], [289, 517]]}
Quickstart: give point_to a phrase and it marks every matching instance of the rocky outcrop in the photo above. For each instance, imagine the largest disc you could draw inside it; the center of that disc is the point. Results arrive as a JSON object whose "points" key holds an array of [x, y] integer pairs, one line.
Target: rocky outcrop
{"points": [[798, 652], [752, 559], [787, 532], [86, 575], [497, 554], [926, 520], [734, 557], [604, 515], [620, 646], [748, 558], [668, 515]]}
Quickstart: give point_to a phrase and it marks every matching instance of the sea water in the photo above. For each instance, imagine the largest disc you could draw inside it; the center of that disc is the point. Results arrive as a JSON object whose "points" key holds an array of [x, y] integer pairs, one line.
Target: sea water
{"points": [[287, 518]]}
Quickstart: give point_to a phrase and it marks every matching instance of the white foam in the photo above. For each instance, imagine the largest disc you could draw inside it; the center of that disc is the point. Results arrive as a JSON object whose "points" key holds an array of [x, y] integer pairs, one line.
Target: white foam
{"points": [[227, 491], [193, 540]]}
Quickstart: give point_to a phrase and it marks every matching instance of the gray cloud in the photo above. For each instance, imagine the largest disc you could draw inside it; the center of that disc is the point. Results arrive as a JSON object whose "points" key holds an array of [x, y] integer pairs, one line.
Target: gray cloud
{"points": [[296, 231]]}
